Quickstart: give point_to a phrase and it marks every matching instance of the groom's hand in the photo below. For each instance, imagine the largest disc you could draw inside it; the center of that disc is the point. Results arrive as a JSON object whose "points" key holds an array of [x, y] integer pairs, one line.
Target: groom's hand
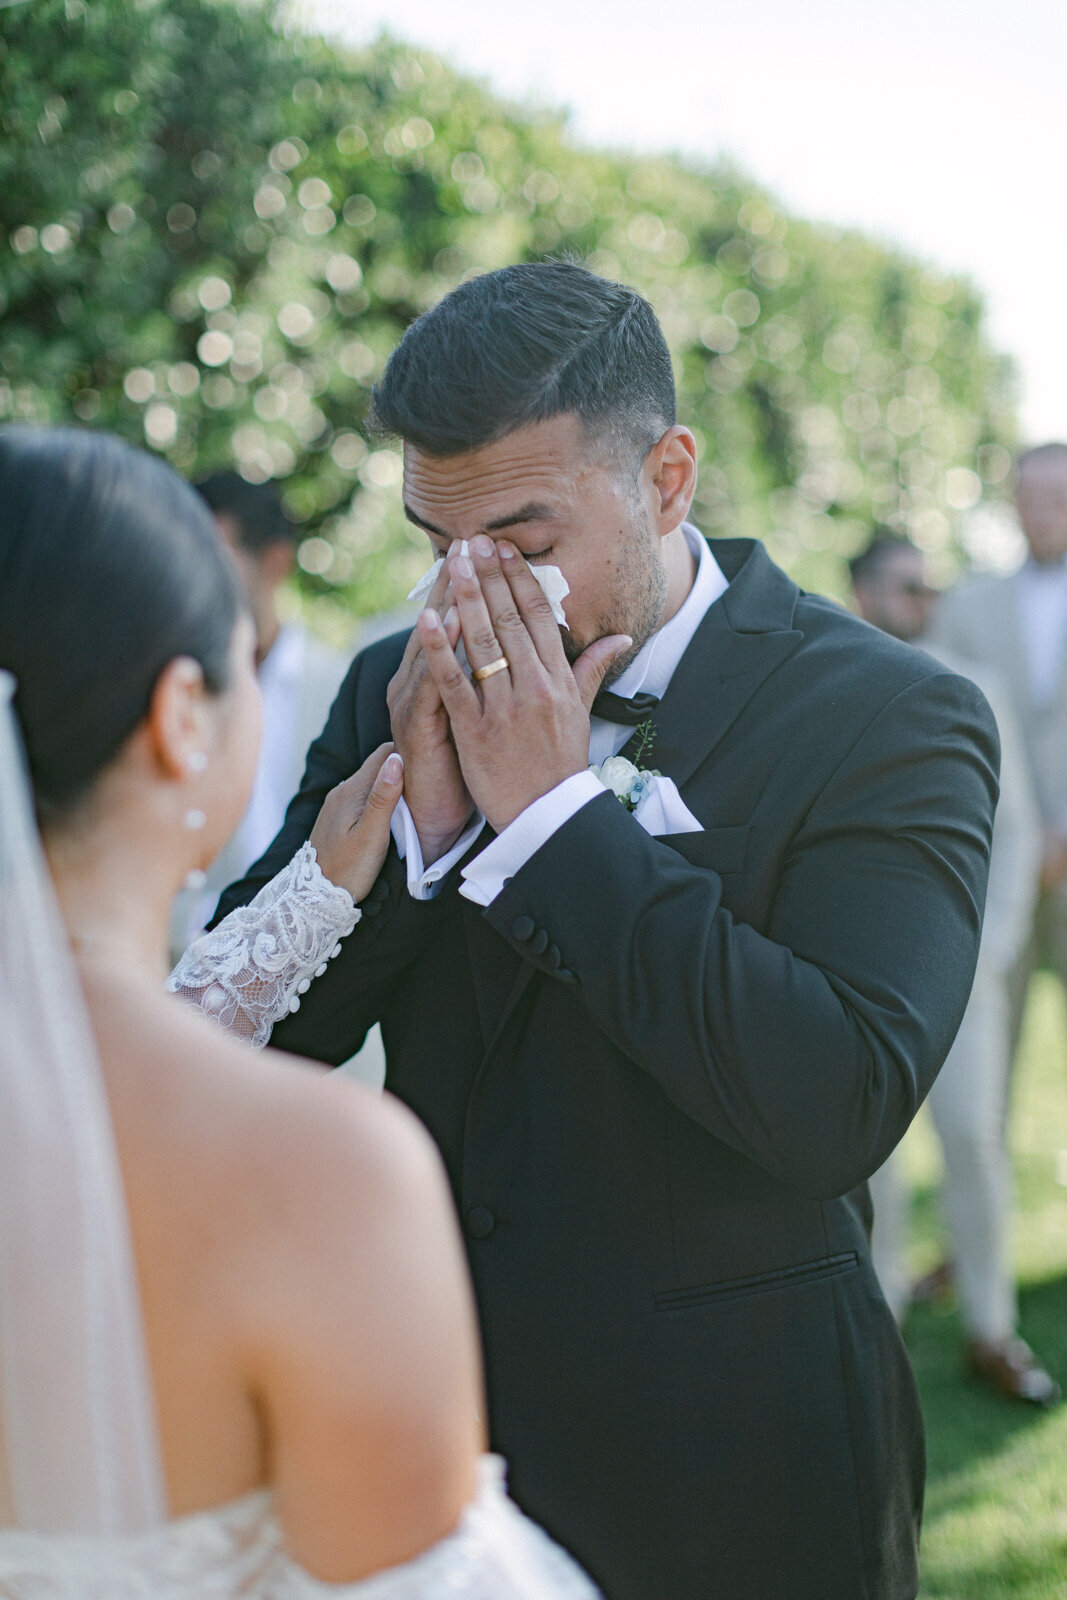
{"points": [[521, 730], [434, 789]]}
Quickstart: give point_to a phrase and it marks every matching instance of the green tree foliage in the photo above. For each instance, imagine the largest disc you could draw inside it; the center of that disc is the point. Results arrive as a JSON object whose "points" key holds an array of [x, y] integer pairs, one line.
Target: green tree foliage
{"points": [[212, 233]]}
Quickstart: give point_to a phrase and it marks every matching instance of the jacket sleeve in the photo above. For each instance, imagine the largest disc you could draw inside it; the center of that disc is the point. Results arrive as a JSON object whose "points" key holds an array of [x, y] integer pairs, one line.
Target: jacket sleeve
{"points": [[340, 1006], [806, 1044]]}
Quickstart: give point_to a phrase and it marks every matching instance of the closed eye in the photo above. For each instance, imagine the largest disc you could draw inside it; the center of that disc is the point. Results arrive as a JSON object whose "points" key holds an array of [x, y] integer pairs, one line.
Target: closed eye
{"points": [[532, 555]]}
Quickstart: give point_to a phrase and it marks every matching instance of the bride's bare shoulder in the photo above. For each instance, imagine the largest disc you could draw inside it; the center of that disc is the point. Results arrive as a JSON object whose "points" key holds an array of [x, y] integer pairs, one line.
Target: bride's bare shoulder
{"points": [[246, 1117], [301, 1228]]}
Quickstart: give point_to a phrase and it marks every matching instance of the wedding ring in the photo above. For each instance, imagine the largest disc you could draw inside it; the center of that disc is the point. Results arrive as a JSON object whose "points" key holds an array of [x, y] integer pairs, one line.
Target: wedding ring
{"points": [[501, 664]]}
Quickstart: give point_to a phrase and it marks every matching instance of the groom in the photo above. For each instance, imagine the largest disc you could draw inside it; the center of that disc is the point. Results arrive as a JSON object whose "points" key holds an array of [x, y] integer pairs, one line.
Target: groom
{"points": [[660, 1069]]}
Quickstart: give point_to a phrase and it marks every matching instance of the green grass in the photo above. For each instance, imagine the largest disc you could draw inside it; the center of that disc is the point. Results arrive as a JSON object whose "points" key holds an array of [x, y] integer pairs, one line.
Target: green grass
{"points": [[996, 1503]]}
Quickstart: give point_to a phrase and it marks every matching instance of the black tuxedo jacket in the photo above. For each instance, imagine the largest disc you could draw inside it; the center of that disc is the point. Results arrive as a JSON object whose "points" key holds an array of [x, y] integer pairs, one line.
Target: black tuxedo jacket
{"points": [[658, 1069]]}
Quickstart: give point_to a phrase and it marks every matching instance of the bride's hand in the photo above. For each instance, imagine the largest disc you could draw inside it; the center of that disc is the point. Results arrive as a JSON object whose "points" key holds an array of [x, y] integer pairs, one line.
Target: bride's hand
{"points": [[351, 833]]}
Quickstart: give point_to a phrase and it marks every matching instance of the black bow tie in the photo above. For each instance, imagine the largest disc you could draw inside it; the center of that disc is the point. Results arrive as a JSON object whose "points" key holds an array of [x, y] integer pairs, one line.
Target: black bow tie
{"points": [[628, 713]]}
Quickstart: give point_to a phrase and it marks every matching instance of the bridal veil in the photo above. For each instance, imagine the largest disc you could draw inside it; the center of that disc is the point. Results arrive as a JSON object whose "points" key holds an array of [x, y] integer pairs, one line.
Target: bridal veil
{"points": [[78, 1444]]}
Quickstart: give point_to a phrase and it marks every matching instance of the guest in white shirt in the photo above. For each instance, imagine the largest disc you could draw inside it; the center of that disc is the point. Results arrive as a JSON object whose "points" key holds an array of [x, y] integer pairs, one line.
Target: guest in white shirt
{"points": [[298, 679], [1018, 624], [968, 1098]]}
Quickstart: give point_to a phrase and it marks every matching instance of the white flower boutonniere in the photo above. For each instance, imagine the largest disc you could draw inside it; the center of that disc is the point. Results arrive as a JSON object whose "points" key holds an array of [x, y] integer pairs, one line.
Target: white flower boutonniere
{"points": [[628, 783]]}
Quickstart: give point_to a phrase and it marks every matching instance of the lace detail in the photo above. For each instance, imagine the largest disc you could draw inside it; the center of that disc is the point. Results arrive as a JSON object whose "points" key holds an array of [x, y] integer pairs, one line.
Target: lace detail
{"points": [[253, 968], [237, 1553]]}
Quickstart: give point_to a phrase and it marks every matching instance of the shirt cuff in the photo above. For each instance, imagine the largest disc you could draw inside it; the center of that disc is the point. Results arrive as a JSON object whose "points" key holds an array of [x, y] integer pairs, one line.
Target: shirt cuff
{"points": [[487, 874], [425, 882]]}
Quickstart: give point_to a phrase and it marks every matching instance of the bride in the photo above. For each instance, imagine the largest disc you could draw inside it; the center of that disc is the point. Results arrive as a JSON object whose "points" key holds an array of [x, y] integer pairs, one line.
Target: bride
{"points": [[238, 1353]]}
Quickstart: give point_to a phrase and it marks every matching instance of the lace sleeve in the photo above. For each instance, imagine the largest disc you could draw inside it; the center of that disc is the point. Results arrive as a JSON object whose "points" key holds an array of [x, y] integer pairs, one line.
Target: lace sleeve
{"points": [[253, 968]]}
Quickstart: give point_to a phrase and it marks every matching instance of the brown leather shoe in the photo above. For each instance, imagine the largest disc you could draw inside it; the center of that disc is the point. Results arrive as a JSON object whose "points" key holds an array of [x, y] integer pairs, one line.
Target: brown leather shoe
{"points": [[1011, 1368]]}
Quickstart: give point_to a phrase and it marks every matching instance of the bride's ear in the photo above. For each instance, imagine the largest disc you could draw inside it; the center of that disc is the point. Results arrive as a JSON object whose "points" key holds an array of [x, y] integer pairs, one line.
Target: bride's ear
{"points": [[178, 723]]}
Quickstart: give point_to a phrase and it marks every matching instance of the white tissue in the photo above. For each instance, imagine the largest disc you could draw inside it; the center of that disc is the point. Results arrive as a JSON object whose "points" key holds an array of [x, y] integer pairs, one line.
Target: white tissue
{"points": [[422, 589], [554, 585], [555, 589]]}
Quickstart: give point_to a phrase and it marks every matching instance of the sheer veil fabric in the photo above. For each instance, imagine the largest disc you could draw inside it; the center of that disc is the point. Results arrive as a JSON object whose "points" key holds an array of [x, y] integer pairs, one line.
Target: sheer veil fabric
{"points": [[78, 1441]]}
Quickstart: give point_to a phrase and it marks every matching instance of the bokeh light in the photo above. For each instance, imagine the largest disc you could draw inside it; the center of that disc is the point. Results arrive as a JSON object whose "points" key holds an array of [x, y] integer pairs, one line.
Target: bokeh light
{"points": [[227, 291]]}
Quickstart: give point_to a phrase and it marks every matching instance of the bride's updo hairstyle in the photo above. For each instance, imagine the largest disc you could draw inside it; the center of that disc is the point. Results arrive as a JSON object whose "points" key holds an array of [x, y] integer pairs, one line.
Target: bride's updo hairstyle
{"points": [[110, 567]]}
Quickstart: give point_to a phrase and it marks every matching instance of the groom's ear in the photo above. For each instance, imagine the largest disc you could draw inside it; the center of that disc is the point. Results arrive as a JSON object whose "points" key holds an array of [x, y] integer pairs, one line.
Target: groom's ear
{"points": [[670, 477]]}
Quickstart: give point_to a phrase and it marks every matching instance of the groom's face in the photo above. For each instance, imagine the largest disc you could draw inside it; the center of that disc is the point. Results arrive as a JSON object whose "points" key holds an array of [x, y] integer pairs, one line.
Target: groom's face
{"points": [[564, 500]]}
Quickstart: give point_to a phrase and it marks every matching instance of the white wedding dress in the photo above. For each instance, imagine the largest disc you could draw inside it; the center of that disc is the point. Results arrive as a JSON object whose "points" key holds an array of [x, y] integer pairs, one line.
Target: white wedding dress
{"points": [[236, 1552]]}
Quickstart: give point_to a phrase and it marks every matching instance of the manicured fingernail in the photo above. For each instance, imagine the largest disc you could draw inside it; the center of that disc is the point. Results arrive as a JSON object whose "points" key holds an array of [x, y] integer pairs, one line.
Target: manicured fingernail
{"points": [[506, 550], [393, 767], [462, 567], [483, 546], [450, 616], [429, 618], [624, 645]]}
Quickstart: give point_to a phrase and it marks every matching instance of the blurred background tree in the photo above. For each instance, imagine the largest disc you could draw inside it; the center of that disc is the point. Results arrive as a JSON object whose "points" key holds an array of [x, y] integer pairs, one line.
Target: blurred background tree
{"points": [[213, 231]]}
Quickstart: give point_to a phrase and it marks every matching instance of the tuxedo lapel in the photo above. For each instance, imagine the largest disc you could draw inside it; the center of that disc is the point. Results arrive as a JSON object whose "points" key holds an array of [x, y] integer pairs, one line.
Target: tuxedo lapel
{"points": [[744, 636]]}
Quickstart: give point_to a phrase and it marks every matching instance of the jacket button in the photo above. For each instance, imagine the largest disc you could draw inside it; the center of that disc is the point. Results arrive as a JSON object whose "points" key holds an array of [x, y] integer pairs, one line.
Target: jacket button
{"points": [[522, 928], [553, 957], [480, 1222], [539, 942]]}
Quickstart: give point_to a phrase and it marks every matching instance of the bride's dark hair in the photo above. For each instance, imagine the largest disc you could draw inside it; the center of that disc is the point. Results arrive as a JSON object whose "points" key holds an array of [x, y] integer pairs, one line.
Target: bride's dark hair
{"points": [[110, 566]]}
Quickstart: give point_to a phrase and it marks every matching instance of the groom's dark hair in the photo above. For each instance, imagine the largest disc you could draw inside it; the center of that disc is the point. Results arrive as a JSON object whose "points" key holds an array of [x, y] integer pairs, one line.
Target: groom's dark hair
{"points": [[523, 345]]}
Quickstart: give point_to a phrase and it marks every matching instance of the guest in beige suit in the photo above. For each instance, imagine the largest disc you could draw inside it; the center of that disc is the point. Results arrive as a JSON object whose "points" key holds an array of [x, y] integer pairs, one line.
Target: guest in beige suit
{"points": [[968, 1098], [1018, 625]]}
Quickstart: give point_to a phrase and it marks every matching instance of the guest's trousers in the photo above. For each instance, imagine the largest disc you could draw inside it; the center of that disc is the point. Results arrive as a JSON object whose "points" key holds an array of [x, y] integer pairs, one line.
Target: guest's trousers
{"points": [[967, 1104], [1046, 947]]}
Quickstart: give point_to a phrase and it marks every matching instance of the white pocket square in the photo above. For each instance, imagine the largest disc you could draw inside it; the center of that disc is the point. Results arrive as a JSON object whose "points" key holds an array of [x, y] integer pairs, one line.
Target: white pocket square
{"points": [[661, 809]]}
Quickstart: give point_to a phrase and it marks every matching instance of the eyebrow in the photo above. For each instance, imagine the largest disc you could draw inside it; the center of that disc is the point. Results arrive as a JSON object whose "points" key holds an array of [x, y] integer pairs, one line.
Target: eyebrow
{"points": [[533, 511]]}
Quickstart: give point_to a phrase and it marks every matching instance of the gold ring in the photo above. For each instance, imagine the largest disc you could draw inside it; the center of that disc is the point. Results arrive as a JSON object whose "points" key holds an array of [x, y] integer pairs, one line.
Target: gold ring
{"points": [[501, 664]]}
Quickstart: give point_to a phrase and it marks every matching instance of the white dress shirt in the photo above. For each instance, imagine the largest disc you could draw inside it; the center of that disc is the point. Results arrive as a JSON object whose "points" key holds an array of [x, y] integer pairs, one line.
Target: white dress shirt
{"points": [[1043, 625], [650, 671]]}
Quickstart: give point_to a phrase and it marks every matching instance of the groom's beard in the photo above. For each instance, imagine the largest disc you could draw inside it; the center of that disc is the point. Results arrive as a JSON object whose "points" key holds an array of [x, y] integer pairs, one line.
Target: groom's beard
{"points": [[636, 608]]}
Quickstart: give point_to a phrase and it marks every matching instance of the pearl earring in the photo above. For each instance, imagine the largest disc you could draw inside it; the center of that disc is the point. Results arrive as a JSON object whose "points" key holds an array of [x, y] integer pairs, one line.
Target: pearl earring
{"points": [[194, 819]]}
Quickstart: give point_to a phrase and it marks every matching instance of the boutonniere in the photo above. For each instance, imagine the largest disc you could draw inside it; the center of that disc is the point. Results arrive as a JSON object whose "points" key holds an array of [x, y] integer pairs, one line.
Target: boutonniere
{"points": [[628, 783], [626, 780], [643, 738]]}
